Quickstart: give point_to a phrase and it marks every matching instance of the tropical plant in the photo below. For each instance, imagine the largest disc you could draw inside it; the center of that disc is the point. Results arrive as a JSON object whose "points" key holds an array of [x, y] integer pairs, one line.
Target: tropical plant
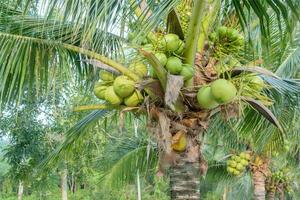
{"points": [[202, 68]]}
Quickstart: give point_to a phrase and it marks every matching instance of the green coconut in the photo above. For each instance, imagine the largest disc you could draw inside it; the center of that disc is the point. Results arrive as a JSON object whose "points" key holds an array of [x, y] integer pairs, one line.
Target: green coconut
{"points": [[230, 170], [139, 68], [171, 42], [236, 172], [123, 86], [239, 167], [174, 65], [213, 37], [256, 83], [162, 58], [149, 48], [205, 98], [237, 159], [244, 162], [152, 37], [232, 163], [134, 99], [187, 72], [243, 155], [106, 76], [223, 91], [180, 49], [222, 31], [112, 97], [232, 34], [99, 91]]}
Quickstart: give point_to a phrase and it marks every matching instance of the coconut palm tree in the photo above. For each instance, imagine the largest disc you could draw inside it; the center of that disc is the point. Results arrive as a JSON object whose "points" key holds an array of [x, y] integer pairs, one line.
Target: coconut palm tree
{"points": [[44, 40]]}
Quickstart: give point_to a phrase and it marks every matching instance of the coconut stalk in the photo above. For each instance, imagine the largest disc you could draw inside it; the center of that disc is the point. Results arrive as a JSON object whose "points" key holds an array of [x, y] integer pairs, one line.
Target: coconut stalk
{"points": [[194, 30]]}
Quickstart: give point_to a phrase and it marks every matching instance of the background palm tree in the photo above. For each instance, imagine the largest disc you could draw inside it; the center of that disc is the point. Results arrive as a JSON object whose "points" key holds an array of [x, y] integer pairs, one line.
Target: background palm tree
{"points": [[42, 41]]}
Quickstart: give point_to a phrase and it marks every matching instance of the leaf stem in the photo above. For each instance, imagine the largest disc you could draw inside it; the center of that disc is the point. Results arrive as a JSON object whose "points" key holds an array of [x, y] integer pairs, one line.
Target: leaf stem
{"points": [[89, 53], [194, 31]]}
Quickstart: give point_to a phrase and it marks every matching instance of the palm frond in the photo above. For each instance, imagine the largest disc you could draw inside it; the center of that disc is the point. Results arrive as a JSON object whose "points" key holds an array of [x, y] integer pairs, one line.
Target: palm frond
{"points": [[124, 170], [73, 135], [291, 58]]}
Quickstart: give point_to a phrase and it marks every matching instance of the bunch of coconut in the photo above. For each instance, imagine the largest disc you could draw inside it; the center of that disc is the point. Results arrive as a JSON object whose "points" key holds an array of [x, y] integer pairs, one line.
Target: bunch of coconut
{"points": [[237, 164], [168, 50], [117, 90], [281, 177], [219, 92], [227, 40]]}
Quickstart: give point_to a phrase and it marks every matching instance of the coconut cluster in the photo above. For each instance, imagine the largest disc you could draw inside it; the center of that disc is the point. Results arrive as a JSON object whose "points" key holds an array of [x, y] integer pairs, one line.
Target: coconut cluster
{"points": [[237, 164], [226, 41], [168, 50], [219, 92], [184, 10], [279, 178], [117, 90]]}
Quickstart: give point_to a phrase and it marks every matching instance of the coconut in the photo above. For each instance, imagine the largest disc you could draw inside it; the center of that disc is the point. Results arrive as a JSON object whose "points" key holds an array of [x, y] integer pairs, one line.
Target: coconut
{"points": [[222, 31], [149, 48], [171, 42], [223, 91], [239, 167], [243, 155], [174, 65], [205, 98], [180, 49], [230, 170], [106, 76], [123, 86], [244, 162], [236, 172], [256, 83], [152, 37], [112, 97], [231, 163], [162, 58], [134, 99], [213, 37], [237, 159], [187, 72], [181, 144], [139, 68], [99, 91], [232, 34]]}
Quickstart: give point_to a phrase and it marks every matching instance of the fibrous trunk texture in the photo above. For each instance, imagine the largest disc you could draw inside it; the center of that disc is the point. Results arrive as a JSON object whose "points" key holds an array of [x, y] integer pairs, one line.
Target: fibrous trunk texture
{"points": [[185, 180], [64, 184], [271, 195], [20, 190], [259, 180]]}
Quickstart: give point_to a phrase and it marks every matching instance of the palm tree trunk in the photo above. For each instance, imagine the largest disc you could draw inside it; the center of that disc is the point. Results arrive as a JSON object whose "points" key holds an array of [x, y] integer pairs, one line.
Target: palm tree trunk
{"points": [[259, 185], [64, 184], [271, 195], [185, 180], [20, 190]]}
